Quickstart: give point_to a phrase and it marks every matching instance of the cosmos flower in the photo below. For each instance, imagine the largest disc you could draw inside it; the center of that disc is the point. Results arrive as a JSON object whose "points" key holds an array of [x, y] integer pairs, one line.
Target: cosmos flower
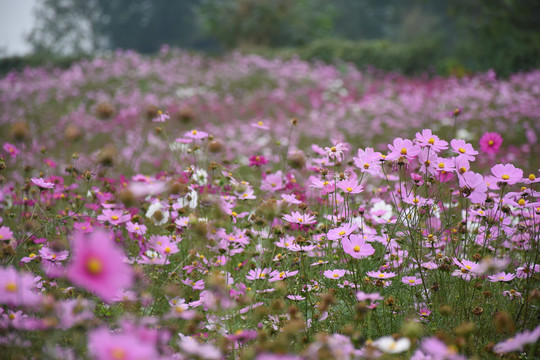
{"points": [[491, 142], [104, 344], [463, 149], [427, 139], [98, 265], [473, 187], [335, 274], [11, 150], [298, 218], [17, 289], [337, 151], [357, 247], [42, 183], [507, 173], [5, 233], [501, 277], [161, 117], [403, 148], [389, 345], [411, 280], [114, 217], [196, 135], [381, 275]]}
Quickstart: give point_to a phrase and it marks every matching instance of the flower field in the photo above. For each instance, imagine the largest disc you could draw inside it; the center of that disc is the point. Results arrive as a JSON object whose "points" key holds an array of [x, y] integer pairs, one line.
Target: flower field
{"points": [[184, 207]]}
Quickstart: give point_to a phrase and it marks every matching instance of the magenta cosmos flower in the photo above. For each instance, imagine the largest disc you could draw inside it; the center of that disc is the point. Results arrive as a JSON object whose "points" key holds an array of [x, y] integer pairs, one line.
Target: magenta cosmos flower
{"points": [[357, 247], [257, 160], [507, 173], [11, 150], [17, 289], [98, 265], [403, 147], [42, 183], [490, 142]]}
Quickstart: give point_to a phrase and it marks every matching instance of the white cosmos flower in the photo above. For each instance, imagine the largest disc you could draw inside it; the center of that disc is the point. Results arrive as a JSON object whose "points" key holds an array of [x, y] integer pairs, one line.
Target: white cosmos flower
{"points": [[163, 218], [388, 345]]}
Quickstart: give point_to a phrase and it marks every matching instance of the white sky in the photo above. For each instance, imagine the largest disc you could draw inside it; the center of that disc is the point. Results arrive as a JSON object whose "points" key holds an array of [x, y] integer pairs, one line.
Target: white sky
{"points": [[16, 20]]}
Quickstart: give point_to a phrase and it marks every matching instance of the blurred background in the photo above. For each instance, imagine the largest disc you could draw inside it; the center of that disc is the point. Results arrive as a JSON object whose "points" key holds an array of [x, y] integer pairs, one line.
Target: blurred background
{"points": [[445, 37]]}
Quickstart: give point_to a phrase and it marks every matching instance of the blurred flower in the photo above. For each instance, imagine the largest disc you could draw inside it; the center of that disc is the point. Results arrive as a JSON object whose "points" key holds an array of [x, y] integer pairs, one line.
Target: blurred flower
{"points": [[17, 289], [490, 142], [42, 183], [388, 345], [98, 265]]}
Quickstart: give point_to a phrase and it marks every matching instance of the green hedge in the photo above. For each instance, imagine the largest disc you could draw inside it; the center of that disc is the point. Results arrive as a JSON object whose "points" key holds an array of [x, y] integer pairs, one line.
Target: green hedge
{"points": [[18, 63]]}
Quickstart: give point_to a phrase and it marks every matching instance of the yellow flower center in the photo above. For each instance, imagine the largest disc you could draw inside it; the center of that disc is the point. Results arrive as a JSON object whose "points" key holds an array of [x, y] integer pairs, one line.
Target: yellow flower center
{"points": [[179, 309], [381, 275], [349, 189], [521, 202], [462, 170], [532, 177], [411, 281], [118, 354], [403, 151], [366, 166], [11, 316], [505, 177], [441, 165], [260, 123], [245, 195], [194, 132], [114, 217], [356, 248], [490, 143], [32, 255], [168, 250], [335, 275], [94, 266], [11, 287], [416, 201], [461, 150], [333, 149], [300, 219], [234, 214], [341, 233], [431, 141], [281, 275]]}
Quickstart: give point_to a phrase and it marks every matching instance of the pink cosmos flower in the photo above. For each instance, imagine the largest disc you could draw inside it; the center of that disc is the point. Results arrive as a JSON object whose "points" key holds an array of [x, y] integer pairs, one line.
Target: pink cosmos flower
{"points": [[368, 161], [258, 274], [195, 349], [474, 187], [350, 186], [381, 275], [5, 233], [281, 275], [467, 269], [518, 342], [403, 147], [501, 277], [411, 280], [297, 218], [17, 289], [341, 232], [42, 183], [260, 125], [507, 173], [337, 151], [427, 139], [136, 228], [103, 344], [273, 182], [291, 199], [357, 247], [424, 312], [114, 217], [161, 117], [196, 134], [98, 265], [335, 274], [463, 149], [257, 160], [362, 296], [11, 150], [490, 142]]}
